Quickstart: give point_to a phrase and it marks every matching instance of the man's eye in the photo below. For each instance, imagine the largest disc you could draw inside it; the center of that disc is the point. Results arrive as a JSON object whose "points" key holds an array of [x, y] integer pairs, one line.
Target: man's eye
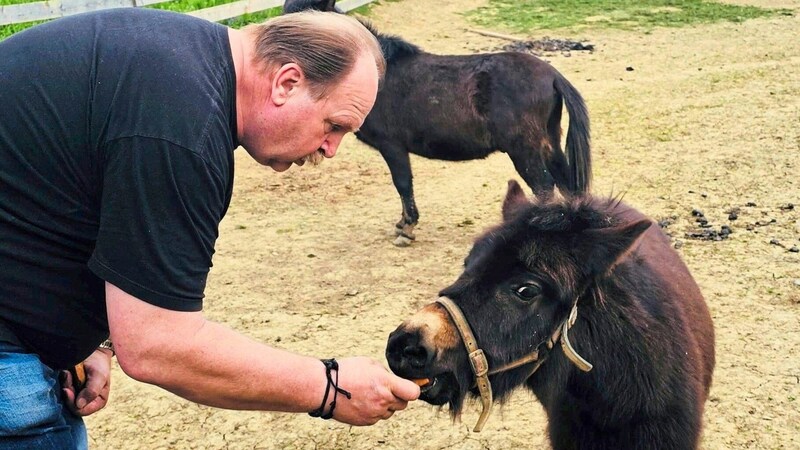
{"points": [[528, 291]]}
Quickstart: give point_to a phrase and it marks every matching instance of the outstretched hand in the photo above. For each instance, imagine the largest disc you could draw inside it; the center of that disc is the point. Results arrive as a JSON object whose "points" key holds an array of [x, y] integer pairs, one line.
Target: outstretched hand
{"points": [[376, 392], [94, 395]]}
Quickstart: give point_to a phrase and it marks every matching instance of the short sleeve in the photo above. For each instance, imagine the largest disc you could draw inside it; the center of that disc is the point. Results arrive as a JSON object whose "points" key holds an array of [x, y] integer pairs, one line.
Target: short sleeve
{"points": [[160, 214]]}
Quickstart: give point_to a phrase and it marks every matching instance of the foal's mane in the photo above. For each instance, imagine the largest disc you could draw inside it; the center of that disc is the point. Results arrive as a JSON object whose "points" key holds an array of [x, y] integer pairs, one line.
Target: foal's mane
{"points": [[571, 214], [393, 47], [554, 217]]}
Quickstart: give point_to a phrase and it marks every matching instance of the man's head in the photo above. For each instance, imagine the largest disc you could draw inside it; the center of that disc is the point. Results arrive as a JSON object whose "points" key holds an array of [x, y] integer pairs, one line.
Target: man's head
{"points": [[313, 77]]}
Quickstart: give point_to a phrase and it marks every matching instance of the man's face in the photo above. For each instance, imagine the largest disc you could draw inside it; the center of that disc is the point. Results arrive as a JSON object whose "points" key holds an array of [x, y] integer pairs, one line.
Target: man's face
{"points": [[293, 127]]}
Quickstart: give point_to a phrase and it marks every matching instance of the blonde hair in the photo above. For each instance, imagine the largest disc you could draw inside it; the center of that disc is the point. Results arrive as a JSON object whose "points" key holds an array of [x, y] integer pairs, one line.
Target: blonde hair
{"points": [[325, 45]]}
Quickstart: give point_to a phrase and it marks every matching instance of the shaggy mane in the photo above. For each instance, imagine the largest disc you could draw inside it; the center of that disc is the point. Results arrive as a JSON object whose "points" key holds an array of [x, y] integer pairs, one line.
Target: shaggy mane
{"points": [[393, 47], [571, 214]]}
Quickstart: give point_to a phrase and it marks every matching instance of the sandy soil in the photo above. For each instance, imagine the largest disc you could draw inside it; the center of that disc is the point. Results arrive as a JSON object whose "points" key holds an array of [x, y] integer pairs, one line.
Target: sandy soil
{"points": [[707, 119]]}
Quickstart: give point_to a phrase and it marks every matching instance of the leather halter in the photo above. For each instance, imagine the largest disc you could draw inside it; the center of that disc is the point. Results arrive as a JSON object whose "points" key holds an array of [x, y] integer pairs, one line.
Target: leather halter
{"points": [[480, 366]]}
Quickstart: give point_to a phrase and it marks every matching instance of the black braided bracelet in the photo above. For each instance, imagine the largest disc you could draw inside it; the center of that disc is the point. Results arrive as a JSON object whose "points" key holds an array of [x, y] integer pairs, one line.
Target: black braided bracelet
{"points": [[330, 365]]}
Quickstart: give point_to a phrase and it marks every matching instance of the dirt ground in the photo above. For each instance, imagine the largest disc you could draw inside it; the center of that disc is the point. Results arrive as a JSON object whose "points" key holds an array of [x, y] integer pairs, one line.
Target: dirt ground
{"points": [[707, 119]]}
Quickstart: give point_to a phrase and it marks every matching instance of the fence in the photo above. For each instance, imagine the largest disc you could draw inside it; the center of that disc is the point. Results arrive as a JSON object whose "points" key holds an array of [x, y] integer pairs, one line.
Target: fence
{"points": [[52, 9]]}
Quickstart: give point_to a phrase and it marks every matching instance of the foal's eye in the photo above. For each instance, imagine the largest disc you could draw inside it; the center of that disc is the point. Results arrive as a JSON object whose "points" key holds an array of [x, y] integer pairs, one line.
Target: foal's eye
{"points": [[529, 291]]}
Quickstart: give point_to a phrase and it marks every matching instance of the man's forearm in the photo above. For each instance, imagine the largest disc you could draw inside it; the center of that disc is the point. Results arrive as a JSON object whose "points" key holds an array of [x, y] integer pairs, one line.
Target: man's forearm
{"points": [[206, 362], [219, 367]]}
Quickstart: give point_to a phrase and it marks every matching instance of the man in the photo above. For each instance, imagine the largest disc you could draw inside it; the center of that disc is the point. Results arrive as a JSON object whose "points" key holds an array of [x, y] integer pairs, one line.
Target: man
{"points": [[116, 136]]}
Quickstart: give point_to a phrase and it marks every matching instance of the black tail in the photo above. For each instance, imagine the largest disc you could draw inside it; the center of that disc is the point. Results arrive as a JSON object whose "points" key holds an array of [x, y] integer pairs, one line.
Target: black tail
{"points": [[578, 141]]}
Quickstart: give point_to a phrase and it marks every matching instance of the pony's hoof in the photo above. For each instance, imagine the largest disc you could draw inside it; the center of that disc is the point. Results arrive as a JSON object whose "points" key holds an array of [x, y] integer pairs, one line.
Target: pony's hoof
{"points": [[402, 241]]}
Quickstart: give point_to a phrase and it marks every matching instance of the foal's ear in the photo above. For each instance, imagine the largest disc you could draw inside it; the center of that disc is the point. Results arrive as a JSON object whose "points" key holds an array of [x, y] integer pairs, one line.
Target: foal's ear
{"points": [[515, 199], [330, 5], [602, 248]]}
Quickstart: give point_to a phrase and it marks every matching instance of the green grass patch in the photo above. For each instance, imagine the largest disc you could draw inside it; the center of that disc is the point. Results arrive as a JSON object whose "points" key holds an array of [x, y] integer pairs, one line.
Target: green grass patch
{"points": [[235, 22], [247, 19], [188, 5], [8, 30], [643, 15], [175, 5], [366, 10]]}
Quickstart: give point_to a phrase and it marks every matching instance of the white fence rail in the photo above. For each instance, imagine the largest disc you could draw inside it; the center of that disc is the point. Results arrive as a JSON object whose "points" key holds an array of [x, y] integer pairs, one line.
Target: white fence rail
{"points": [[52, 9], [234, 9]]}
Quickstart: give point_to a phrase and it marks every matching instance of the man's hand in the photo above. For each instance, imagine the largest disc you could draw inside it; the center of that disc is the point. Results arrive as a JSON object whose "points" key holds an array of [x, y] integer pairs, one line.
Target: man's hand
{"points": [[94, 396], [377, 393]]}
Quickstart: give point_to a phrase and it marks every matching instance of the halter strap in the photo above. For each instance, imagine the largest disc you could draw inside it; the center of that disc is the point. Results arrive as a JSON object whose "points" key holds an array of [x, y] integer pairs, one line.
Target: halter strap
{"points": [[566, 346], [480, 365], [477, 359]]}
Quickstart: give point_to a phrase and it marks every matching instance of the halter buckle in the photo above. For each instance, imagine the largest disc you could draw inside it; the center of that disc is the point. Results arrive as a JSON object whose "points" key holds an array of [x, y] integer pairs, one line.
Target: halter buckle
{"points": [[480, 366]]}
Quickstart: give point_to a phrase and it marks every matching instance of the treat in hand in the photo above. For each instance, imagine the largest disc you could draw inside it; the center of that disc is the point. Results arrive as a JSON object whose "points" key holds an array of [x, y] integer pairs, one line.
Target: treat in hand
{"points": [[78, 376]]}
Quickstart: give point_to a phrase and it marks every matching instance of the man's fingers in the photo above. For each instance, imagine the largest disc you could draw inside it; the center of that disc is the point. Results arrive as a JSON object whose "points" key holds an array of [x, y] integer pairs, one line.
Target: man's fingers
{"points": [[404, 389], [94, 386], [92, 407], [86, 396], [93, 395], [69, 394], [398, 406], [66, 379], [68, 390], [98, 403]]}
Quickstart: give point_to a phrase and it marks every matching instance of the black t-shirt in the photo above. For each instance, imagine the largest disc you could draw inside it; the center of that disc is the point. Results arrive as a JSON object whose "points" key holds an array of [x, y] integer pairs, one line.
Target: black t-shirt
{"points": [[117, 131]]}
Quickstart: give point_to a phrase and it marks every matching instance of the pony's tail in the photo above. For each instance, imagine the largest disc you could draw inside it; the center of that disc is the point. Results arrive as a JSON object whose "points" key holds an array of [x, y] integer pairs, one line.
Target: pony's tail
{"points": [[579, 172]]}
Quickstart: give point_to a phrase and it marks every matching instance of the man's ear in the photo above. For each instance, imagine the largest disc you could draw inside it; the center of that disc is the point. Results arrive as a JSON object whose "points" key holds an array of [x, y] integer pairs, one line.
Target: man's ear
{"points": [[285, 82]]}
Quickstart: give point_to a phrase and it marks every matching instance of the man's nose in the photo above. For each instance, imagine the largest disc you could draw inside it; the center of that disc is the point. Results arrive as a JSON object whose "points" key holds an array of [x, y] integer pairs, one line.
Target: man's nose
{"points": [[331, 145]]}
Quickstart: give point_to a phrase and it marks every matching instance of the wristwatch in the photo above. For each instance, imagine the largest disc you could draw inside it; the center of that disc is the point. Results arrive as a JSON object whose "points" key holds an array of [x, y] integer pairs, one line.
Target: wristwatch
{"points": [[107, 344]]}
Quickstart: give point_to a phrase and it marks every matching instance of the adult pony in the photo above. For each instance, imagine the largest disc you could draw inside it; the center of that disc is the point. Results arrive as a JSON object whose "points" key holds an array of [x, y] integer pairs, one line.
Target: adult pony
{"points": [[584, 302], [466, 107]]}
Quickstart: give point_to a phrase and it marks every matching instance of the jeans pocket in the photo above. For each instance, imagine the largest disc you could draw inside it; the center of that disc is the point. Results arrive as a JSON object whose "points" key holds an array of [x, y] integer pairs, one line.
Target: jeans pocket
{"points": [[30, 401]]}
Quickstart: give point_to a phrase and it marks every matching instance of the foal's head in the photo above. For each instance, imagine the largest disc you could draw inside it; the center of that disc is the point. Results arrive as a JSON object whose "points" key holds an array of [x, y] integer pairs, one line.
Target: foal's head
{"points": [[520, 282]]}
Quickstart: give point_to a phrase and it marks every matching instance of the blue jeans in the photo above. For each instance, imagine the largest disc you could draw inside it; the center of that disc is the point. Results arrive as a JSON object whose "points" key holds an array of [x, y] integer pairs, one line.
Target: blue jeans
{"points": [[32, 412]]}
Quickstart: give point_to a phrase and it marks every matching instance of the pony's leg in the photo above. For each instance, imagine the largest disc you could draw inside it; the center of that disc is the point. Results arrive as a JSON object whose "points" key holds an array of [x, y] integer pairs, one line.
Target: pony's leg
{"points": [[531, 167], [400, 167]]}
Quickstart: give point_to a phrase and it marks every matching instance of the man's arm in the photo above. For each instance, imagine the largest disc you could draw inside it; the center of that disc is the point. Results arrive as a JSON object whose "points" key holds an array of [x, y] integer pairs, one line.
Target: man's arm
{"points": [[208, 363]]}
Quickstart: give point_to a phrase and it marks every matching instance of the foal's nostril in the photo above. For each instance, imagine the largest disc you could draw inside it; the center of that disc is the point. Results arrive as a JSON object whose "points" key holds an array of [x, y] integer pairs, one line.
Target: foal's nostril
{"points": [[415, 355], [404, 351]]}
